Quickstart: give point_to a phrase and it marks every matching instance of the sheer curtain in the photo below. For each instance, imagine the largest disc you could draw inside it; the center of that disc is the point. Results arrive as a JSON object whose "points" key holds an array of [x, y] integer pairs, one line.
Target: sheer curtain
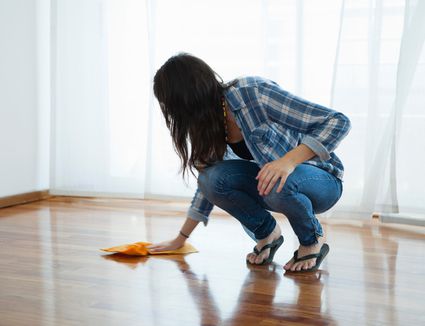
{"points": [[380, 82], [100, 97], [108, 135], [274, 39]]}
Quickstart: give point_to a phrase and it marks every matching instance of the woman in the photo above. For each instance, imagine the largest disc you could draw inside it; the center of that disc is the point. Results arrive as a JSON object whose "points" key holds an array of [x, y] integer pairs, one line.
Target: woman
{"points": [[257, 148]]}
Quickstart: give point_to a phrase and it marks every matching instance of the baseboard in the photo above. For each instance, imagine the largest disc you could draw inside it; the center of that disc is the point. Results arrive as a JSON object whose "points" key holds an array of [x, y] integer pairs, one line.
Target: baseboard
{"points": [[23, 198], [409, 219]]}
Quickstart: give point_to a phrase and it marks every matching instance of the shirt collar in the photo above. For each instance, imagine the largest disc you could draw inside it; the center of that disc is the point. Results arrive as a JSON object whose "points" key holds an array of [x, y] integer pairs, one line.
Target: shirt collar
{"points": [[234, 98]]}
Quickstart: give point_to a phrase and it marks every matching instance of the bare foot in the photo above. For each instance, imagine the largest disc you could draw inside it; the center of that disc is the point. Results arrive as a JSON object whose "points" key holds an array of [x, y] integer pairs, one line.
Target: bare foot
{"points": [[253, 258], [304, 251]]}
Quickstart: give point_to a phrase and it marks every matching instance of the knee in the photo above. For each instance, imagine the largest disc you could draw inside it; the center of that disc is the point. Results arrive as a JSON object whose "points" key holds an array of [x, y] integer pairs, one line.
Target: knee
{"points": [[276, 200], [291, 185]]}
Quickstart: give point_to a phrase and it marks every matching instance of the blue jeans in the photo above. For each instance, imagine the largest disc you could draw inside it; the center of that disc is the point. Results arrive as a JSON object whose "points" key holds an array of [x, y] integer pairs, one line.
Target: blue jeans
{"points": [[231, 185]]}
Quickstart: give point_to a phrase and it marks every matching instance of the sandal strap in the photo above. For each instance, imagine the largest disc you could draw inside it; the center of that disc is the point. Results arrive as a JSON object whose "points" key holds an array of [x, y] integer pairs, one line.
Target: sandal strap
{"points": [[307, 257], [267, 246]]}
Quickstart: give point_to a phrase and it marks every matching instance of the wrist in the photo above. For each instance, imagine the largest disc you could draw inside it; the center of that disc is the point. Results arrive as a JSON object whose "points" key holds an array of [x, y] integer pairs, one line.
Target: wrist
{"points": [[180, 239], [289, 160]]}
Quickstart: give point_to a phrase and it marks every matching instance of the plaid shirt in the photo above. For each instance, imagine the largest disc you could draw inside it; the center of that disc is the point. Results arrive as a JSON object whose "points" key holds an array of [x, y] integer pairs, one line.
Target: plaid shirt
{"points": [[273, 122]]}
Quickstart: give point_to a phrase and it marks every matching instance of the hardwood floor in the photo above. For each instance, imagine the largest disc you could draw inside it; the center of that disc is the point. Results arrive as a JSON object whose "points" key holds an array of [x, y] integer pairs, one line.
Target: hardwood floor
{"points": [[52, 273]]}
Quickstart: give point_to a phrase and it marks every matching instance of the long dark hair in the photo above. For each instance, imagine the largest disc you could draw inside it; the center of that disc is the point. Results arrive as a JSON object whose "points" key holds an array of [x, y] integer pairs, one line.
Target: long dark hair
{"points": [[189, 93]]}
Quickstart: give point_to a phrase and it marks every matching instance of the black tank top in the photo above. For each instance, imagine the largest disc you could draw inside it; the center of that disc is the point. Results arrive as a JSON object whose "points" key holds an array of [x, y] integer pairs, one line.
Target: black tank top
{"points": [[241, 150]]}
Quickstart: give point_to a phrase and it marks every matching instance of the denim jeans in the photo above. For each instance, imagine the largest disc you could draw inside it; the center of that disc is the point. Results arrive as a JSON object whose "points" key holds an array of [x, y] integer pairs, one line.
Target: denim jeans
{"points": [[231, 185]]}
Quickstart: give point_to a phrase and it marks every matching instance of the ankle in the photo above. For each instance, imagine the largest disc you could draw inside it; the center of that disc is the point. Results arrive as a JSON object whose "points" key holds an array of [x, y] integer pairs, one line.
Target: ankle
{"points": [[276, 233], [319, 241]]}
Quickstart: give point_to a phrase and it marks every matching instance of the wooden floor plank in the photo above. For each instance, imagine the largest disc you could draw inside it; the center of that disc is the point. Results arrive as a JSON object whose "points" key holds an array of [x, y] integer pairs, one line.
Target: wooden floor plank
{"points": [[52, 273]]}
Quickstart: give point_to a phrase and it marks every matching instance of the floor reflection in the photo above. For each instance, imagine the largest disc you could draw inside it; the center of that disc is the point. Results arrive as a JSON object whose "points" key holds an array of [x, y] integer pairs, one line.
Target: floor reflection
{"points": [[257, 296], [129, 261], [368, 280], [51, 272], [257, 299], [380, 255], [197, 286]]}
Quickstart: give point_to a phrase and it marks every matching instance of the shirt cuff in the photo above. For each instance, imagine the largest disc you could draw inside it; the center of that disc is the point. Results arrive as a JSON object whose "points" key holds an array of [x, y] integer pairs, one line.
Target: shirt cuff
{"points": [[316, 147], [195, 215]]}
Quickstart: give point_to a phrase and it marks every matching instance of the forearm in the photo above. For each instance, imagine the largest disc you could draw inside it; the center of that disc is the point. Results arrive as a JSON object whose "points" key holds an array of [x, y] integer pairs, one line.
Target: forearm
{"points": [[299, 154], [187, 228]]}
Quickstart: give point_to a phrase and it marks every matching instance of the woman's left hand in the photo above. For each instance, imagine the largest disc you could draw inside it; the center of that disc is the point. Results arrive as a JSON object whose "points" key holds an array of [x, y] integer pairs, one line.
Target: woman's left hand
{"points": [[271, 172]]}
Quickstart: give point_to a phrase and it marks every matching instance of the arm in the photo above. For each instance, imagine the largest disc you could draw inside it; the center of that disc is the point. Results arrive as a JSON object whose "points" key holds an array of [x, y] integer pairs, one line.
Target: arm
{"points": [[199, 211], [178, 242], [322, 127], [299, 154]]}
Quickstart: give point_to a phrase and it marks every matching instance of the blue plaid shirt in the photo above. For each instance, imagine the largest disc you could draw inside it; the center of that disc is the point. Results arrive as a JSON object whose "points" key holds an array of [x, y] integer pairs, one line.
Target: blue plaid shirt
{"points": [[273, 122]]}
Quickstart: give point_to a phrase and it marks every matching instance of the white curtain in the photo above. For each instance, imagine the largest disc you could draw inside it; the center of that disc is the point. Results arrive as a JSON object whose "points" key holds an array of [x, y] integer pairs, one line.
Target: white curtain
{"points": [[100, 97], [109, 138], [380, 82]]}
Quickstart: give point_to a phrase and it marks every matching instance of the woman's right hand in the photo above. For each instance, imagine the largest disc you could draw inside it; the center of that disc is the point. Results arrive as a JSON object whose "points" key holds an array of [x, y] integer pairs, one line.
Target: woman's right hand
{"points": [[166, 245]]}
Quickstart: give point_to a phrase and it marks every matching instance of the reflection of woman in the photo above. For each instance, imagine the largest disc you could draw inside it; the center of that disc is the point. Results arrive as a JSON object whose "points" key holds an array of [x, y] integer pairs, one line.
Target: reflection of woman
{"points": [[284, 158], [302, 303]]}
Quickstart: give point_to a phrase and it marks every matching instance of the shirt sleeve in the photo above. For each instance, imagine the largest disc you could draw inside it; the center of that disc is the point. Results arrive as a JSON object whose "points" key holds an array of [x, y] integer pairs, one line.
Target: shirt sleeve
{"points": [[200, 208], [323, 128]]}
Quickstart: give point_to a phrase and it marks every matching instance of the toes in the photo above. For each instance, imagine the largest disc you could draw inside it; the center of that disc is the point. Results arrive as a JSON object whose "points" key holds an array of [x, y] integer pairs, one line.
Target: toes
{"points": [[311, 263], [304, 265], [294, 267], [259, 259], [289, 264], [252, 258], [299, 267]]}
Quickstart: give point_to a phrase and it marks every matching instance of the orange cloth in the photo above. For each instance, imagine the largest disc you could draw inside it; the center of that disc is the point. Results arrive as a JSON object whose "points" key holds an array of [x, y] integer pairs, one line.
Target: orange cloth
{"points": [[139, 249]]}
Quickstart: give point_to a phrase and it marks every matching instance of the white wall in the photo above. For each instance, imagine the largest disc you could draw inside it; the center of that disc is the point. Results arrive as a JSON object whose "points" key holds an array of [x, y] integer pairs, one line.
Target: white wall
{"points": [[24, 96]]}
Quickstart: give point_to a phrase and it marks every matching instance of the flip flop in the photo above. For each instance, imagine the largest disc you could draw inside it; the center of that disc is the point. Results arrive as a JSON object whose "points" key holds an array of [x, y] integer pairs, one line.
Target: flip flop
{"points": [[273, 248], [319, 258]]}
